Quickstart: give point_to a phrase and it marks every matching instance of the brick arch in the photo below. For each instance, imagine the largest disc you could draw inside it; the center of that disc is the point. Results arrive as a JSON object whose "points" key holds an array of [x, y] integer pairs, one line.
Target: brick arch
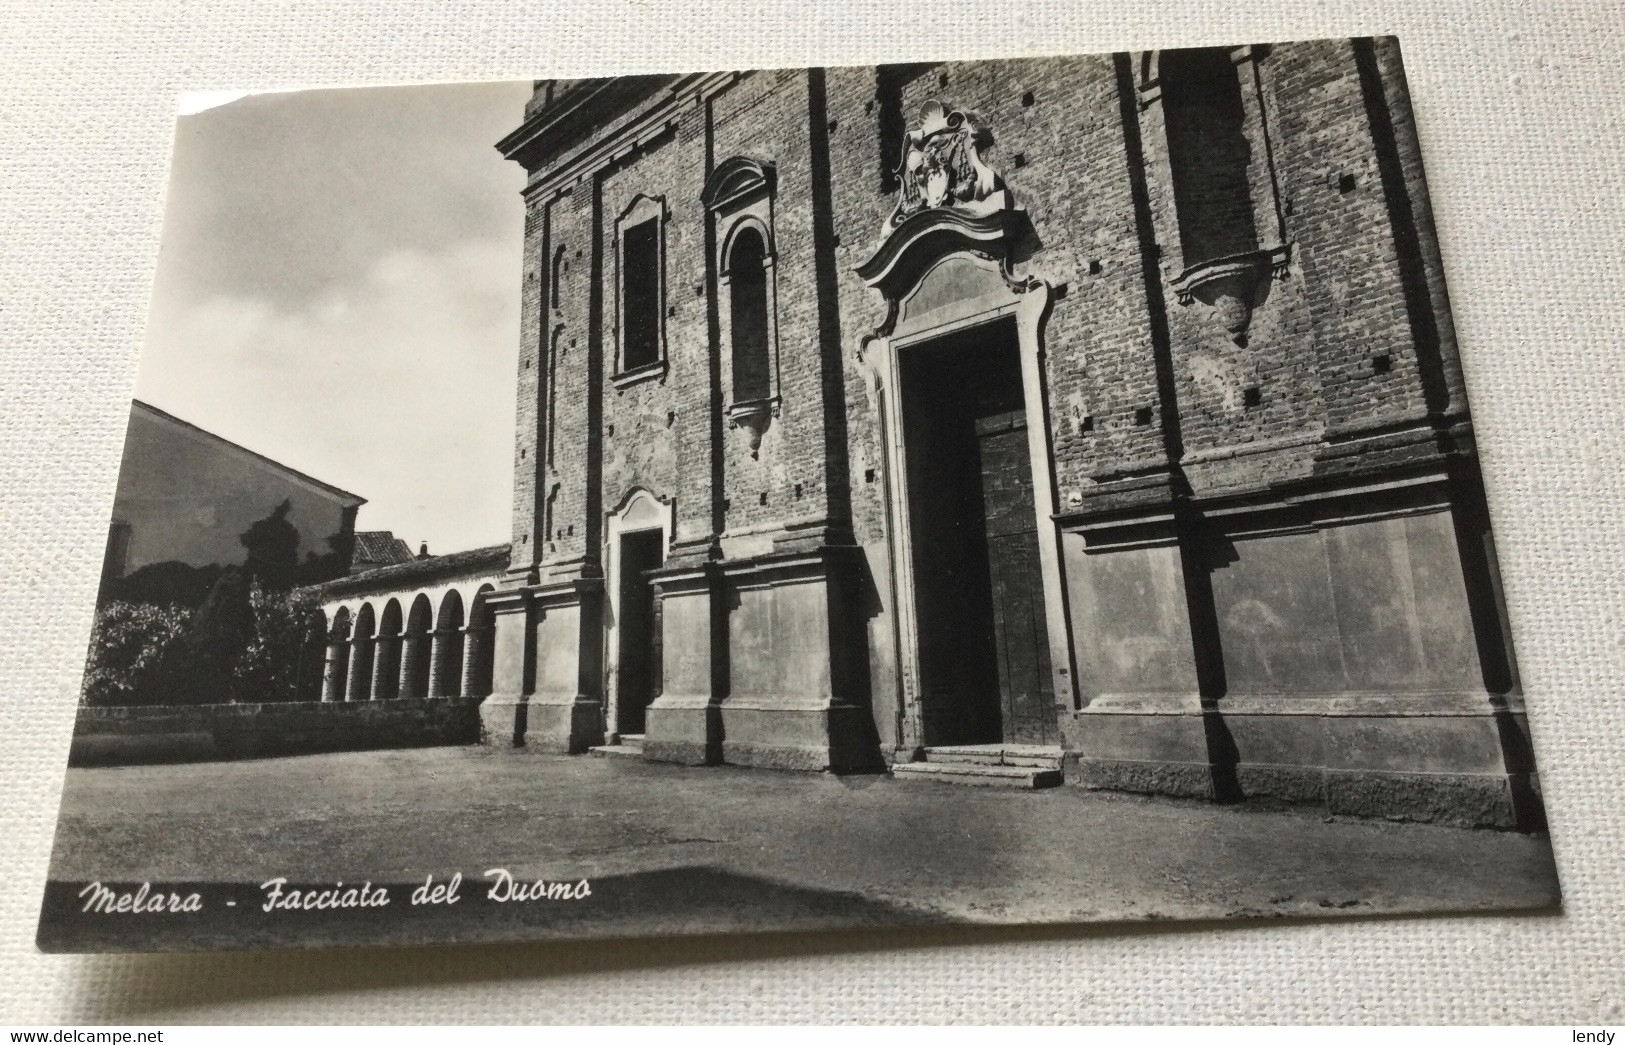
{"points": [[387, 655], [477, 644], [446, 661], [337, 668], [413, 680], [451, 613], [307, 684], [741, 224], [358, 680]]}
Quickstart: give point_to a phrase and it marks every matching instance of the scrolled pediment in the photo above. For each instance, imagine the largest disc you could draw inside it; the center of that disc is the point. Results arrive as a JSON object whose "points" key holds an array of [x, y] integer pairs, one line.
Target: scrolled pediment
{"points": [[922, 239]]}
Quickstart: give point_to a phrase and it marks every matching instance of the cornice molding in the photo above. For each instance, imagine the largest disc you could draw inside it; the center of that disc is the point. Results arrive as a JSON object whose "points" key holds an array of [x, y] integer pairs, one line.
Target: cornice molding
{"points": [[638, 131]]}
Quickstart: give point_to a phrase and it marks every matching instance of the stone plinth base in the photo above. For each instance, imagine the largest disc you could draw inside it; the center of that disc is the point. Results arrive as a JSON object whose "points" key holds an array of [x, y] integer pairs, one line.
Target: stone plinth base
{"points": [[502, 721], [796, 664], [564, 725], [1441, 758], [686, 730], [809, 735]]}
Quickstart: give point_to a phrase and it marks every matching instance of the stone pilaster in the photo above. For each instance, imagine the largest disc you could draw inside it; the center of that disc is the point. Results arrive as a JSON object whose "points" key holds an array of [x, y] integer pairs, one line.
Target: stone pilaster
{"points": [[797, 693], [684, 722], [565, 711], [513, 668]]}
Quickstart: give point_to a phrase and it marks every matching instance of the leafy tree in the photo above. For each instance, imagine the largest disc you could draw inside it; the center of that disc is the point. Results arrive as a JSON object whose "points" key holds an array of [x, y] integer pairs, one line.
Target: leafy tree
{"points": [[220, 630], [273, 664]]}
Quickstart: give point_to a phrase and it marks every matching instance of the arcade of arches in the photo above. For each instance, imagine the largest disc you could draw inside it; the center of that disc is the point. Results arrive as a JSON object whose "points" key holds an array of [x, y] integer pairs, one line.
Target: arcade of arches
{"points": [[431, 651]]}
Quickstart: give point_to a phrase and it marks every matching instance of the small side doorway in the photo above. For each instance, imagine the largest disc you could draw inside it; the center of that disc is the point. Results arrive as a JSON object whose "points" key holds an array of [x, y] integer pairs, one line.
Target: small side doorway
{"points": [[640, 552], [983, 645]]}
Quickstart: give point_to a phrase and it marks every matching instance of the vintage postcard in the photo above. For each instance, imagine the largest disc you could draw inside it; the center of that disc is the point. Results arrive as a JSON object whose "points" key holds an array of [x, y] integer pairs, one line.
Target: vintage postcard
{"points": [[974, 492]]}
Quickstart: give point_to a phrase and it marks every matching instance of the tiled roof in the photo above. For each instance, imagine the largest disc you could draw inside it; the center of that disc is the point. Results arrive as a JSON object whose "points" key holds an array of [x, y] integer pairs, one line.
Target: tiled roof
{"points": [[380, 548], [417, 572]]}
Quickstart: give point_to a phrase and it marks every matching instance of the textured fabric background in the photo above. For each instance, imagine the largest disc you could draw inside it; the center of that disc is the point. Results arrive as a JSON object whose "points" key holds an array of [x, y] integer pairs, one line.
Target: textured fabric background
{"points": [[1520, 107]]}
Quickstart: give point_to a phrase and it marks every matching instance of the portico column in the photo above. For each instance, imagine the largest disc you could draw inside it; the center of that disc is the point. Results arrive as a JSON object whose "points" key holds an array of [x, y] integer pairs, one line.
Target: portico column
{"points": [[333, 670], [386, 664], [476, 657], [413, 682], [360, 687], [446, 662]]}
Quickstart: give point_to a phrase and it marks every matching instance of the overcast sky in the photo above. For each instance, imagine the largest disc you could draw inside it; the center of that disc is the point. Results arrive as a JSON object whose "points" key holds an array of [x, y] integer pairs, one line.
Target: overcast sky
{"points": [[338, 288]]}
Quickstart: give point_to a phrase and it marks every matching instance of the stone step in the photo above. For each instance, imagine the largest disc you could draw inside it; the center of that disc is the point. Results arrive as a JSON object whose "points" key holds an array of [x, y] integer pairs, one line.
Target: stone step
{"points": [[629, 746], [1029, 778], [996, 755]]}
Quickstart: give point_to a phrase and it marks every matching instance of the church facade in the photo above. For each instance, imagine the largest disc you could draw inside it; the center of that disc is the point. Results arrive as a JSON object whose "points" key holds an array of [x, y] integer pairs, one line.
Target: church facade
{"points": [[1101, 413]]}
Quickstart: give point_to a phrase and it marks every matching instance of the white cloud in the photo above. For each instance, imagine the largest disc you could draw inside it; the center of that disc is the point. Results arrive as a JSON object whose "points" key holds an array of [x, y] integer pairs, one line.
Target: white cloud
{"points": [[398, 386]]}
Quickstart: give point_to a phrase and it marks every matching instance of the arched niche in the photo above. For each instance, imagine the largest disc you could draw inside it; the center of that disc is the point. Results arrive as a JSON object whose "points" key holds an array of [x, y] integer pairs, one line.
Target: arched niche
{"points": [[738, 198], [1205, 117]]}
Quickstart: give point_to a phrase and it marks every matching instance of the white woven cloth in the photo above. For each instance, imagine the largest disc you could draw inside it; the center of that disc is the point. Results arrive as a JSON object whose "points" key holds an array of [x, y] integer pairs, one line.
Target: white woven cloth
{"points": [[1521, 108]]}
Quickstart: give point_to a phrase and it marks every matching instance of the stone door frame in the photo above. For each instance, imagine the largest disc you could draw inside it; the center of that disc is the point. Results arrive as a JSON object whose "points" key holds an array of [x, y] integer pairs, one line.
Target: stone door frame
{"points": [[993, 297], [639, 511]]}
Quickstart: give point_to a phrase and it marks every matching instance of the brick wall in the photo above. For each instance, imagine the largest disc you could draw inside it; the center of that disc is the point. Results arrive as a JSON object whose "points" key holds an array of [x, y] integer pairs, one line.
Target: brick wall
{"points": [[765, 115], [1132, 375]]}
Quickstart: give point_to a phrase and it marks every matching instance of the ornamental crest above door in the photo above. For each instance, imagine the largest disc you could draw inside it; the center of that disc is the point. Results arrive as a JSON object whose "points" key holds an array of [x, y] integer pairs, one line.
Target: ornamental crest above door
{"points": [[943, 166]]}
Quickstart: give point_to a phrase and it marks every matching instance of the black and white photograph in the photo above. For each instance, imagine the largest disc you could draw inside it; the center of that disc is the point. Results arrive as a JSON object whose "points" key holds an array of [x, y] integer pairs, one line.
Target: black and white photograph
{"points": [[1009, 492]]}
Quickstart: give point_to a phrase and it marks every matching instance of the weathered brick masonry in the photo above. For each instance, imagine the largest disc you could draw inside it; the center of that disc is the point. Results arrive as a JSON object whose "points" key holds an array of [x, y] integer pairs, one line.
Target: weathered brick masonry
{"points": [[1107, 405]]}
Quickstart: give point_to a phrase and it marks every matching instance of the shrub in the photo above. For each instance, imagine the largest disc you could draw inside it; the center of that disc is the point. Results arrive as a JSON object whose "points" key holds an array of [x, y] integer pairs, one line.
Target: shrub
{"points": [[133, 653], [245, 644]]}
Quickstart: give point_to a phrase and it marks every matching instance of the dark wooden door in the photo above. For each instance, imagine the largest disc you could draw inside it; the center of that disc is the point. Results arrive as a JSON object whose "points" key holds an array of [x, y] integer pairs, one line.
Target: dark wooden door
{"points": [[640, 552], [1026, 693]]}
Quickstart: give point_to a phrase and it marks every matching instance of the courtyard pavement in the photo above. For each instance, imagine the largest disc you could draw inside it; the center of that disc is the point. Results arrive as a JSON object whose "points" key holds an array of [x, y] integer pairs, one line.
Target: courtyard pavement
{"points": [[674, 849]]}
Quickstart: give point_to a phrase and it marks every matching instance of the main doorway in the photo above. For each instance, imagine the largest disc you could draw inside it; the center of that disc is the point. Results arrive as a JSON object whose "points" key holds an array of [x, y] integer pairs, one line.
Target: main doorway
{"points": [[637, 670], [983, 645]]}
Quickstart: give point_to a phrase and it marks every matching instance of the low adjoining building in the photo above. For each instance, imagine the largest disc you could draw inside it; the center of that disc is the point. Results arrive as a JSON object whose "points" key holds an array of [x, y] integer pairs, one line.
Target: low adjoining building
{"points": [[413, 630]]}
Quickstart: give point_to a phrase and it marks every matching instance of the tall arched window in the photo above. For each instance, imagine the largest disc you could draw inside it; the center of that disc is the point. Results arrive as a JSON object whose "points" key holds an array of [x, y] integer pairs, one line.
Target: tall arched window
{"points": [[747, 272], [1208, 154], [739, 197]]}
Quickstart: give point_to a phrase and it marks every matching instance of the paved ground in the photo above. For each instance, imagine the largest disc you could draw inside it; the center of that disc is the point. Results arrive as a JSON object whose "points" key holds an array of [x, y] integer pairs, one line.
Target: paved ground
{"points": [[671, 849]]}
